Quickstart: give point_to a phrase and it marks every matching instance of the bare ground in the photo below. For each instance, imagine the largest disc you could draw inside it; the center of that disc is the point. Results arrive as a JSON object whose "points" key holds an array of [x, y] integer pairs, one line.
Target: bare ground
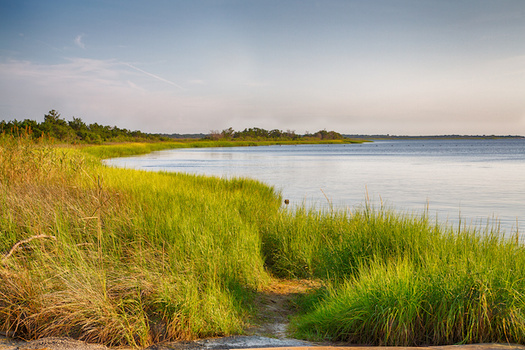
{"points": [[275, 306]]}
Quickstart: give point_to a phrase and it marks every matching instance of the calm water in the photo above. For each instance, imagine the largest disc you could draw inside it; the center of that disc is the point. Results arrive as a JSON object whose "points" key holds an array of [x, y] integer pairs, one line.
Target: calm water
{"points": [[475, 179]]}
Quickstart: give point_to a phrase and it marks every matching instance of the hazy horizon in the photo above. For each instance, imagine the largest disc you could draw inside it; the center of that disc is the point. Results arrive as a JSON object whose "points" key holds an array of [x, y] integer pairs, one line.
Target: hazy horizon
{"points": [[404, 67]]}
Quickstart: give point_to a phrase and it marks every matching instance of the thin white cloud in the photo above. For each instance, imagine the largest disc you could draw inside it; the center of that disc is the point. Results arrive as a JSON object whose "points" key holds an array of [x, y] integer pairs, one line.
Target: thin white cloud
{"points": [[79, 42], [102, 91], [153, 76]]}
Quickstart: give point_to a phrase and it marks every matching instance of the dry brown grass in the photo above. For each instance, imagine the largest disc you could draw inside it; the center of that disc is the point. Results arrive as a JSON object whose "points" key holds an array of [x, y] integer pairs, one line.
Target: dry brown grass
{"points": [[122, 257], [53, 210]]}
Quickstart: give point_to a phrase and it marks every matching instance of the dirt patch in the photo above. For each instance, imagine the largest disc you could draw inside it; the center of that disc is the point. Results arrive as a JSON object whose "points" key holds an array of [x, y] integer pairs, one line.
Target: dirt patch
{"points": [[275, 306]]}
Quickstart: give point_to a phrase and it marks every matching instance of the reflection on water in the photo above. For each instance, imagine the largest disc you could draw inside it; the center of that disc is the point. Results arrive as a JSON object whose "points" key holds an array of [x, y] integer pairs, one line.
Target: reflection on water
{"points": [[477, 179]]}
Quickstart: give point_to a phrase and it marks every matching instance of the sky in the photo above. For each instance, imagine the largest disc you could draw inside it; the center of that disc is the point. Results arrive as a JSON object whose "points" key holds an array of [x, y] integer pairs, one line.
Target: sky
{"points": [[400, 67]]}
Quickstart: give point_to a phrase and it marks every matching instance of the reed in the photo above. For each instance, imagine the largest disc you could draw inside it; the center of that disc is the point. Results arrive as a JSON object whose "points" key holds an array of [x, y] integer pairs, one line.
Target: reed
{"points": [[124, 257], [334, 244], [127, 257], [399, 280]]}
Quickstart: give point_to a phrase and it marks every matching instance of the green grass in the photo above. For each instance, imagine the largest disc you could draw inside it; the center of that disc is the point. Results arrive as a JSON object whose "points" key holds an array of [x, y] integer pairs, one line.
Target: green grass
{"points": [[135, 148], [399, 280], [126, 257], [129, 149]]}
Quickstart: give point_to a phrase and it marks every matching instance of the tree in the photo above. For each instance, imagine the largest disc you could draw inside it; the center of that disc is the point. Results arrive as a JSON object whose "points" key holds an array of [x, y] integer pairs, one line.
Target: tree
{"points": [[227, 133], [275, 134], [56, 127], [77, 124], [328, 135], [214, 135], [53, 118], [291, 134]]}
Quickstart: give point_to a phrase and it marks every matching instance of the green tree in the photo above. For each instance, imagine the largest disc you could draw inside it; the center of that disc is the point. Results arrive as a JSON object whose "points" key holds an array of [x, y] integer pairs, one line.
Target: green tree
{"points": [[57, 127], [227, 133], [77, 124]]}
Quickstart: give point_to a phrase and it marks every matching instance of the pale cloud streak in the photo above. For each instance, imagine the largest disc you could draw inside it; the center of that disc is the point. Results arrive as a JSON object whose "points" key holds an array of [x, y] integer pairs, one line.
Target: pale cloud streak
{"points": [[153, 76], [108, 92], [356, 67], [102, 91], [79, 42]]}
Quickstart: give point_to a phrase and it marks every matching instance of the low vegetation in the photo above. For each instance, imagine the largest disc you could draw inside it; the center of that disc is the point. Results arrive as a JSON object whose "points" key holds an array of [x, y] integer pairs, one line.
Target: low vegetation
{"points": [[76, 131], [126, 257], [135, 148], [258, 134], [54, 127], [400, 280]]}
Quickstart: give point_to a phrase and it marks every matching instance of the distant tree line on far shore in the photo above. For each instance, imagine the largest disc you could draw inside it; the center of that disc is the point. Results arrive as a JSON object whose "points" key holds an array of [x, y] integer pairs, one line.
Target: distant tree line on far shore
{"points": [[76, 131], [275, 134], [429, 137]]}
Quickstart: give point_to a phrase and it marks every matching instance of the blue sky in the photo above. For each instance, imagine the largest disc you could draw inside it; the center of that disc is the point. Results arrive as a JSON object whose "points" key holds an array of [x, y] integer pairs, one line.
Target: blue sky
{"points": [[411, 67]]}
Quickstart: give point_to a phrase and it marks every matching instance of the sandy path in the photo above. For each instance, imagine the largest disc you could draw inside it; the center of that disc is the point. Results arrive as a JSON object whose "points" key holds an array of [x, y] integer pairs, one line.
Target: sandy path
{"points": [[275, 306]]}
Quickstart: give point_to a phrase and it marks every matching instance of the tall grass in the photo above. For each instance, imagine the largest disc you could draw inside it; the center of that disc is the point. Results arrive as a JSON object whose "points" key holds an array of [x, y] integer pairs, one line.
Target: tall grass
{"points": [[333, 245], [124, 257], [400, 280]]}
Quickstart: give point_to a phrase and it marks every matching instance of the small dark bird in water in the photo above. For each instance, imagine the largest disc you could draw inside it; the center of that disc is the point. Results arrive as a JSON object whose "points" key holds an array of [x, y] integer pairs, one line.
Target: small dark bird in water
{"points": [[286, 201]]}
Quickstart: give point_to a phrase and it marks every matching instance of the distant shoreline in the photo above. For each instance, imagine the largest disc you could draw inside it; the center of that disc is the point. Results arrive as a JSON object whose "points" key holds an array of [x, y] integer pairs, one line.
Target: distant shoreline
{"points": [[431, 137]]}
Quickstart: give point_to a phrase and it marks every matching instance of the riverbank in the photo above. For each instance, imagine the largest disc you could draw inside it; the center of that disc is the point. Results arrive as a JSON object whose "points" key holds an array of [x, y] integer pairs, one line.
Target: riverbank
{"points": [[134, 148], [130, 258]]}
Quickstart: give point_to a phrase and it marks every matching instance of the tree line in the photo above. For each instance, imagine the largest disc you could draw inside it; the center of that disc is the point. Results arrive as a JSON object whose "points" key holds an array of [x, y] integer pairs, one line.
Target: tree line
{"points": [[76, 131], [73, 131], [275, 134]]}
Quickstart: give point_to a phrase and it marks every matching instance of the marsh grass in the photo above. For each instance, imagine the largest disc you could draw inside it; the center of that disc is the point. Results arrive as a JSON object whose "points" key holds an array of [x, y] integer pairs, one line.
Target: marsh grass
{"points": [[399, 280], [126, 257], [135, 148], [129, 149], [333, 245]]}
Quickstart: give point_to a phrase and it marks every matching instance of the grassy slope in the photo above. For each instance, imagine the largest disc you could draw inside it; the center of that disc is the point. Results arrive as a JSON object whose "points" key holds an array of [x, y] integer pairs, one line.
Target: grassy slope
{"points": [[400, 280], [124, 256], [128, 257]]}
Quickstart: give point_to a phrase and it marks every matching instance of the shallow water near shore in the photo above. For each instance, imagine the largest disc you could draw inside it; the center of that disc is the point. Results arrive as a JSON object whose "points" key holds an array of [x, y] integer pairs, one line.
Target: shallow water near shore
{"points": [[470, 182]]}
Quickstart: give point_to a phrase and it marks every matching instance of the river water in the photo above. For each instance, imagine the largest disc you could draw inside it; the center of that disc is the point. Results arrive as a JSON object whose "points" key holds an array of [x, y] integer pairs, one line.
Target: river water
{"points": [[479, 181]]}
